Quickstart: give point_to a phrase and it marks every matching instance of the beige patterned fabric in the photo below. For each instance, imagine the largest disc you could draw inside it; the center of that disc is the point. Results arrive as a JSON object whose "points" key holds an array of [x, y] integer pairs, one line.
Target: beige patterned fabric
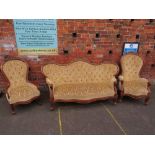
{"points": [[132, 83], [81, 80], [84, 91], [20, 90]]}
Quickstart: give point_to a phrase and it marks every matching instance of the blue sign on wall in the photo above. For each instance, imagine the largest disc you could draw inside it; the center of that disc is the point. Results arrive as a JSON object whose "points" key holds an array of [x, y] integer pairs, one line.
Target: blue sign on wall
{"points": [[36, 36], [130, 47]]}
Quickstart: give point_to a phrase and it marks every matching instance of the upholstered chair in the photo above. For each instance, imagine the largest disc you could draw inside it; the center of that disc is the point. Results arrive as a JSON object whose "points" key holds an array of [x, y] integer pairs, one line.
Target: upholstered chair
{"points": [[81, 82], [20, 90], [130, 82]]}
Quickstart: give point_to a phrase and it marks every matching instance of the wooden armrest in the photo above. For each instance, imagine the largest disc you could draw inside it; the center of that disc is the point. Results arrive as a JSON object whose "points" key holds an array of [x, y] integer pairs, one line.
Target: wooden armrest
{"points": [[7, 95], [48, 81], [120, 77]]}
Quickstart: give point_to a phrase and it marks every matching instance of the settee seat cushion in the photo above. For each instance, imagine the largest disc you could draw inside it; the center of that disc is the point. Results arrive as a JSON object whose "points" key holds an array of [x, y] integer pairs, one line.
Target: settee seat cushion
{"points": [[83, 91], [135, 87], [23, 93]]}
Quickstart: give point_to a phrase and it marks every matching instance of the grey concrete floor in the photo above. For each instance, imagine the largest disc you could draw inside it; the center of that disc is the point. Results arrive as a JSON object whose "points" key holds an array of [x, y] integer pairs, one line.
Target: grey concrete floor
{"points": [[102, 117]]}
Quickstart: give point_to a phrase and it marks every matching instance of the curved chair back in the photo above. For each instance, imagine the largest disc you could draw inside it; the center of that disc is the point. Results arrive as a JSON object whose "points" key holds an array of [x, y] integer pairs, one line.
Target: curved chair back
{"points": [[15, 71], [131, 65]]}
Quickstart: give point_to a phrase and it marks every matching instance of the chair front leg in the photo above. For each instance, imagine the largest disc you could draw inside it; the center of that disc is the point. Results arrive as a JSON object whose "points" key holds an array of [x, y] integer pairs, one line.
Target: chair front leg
{"points": [[121, 91], [146, 100], [53, 103], [53, 106], [13, 109], [148, 95], [115, 99]]}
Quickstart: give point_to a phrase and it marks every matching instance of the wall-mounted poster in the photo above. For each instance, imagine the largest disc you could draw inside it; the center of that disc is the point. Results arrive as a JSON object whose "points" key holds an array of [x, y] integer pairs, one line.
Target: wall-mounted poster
{"points": [[36, 36], [131, 47]]}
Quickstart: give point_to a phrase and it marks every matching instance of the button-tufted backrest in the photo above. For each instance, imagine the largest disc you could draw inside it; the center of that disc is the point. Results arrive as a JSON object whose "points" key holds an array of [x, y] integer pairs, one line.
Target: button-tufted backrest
{"points": [[79, 72], [131, 66], [15, 71]]}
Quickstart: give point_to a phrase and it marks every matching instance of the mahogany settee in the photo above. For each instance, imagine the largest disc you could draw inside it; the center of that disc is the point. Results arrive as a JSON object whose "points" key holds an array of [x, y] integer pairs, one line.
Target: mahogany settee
{"points": [[130, 82], [81, 82], [20, 90]]}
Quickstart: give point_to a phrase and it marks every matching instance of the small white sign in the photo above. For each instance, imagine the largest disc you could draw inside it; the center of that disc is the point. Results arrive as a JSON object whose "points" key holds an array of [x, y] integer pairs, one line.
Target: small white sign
{"points": [[130, 47]]}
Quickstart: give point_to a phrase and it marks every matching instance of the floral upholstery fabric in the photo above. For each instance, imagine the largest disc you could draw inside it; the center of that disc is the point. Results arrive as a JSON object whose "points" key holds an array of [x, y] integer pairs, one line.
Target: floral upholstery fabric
{"points": [[81, 80], [132, 83], [20, 90]]}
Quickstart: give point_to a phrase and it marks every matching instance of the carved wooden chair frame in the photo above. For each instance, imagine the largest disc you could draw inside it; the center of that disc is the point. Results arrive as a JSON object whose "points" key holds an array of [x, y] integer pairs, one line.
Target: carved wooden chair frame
{"points": [[12, 106], [145, 97]]}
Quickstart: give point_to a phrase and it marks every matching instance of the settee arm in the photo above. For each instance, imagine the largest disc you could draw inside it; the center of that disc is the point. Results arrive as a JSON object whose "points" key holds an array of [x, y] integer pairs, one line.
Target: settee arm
{"points": [[120, 83], [114, 80], [50, 87]]}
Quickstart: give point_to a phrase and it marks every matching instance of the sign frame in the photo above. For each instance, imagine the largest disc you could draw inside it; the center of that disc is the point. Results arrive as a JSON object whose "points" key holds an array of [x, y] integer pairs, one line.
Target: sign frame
{"points": [[36, 45], [130, 50]]}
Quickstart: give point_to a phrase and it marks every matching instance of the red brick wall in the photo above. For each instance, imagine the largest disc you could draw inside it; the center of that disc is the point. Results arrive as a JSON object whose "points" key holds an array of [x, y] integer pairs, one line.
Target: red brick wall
{"points": [[101, 37]]}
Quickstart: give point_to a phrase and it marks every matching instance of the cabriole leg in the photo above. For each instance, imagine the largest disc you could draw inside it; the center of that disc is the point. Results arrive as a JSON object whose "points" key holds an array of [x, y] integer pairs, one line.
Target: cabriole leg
{"points": [[146, 100], [53, 106], [121, 96], [53, 103], [13, 109], [115, 99]]}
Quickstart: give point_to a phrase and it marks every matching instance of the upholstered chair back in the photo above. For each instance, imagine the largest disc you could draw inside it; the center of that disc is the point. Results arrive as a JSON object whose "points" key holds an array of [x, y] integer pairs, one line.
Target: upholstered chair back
{"points": [[16, 72], [131, 66], [80, 72]]}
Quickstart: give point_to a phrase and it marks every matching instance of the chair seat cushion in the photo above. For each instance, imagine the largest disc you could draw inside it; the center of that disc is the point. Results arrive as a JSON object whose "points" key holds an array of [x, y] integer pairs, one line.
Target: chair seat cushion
{"points": [[83, 91], [23, 93], [136, 88]]}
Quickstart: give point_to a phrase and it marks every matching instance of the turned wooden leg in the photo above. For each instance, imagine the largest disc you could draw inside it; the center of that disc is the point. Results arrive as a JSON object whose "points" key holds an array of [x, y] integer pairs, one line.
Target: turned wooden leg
{"points": [[53, 106], [13, 109], [146, 100], [115, 99], [120, 96], [120, 99], [53, 103]]}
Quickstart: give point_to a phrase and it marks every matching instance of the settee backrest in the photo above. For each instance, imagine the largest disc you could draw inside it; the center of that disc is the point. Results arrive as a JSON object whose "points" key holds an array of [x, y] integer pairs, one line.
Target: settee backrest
{"points": [[80, 72], [131, 65], [15, 71]]}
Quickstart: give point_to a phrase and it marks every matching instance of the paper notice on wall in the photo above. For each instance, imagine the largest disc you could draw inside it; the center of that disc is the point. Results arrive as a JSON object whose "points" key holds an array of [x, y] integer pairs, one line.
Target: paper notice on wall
{"points": [[36, 36]]}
